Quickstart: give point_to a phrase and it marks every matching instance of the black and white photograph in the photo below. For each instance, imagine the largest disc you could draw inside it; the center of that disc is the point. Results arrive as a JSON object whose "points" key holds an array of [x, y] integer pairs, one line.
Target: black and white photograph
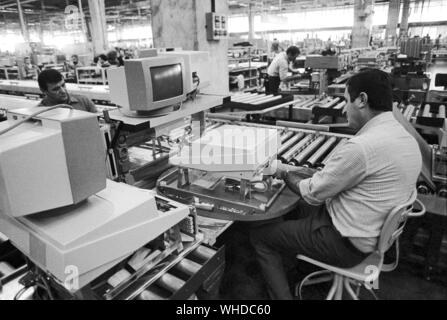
{"points": [[222, 158]]}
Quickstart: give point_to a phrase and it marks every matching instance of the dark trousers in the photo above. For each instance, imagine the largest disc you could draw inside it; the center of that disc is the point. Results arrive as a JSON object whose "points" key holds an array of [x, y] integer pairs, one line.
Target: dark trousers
{"points": [[313, 235], [272, 86]]}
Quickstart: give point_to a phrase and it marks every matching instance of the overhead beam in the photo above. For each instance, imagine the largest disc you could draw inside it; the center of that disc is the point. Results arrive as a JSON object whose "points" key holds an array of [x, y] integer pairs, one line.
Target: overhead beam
{"points": [[23, 24], [14, 4]]}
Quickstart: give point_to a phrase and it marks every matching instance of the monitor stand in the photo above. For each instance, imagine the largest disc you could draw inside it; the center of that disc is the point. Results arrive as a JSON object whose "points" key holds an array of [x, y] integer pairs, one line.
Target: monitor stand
{"points": [[152, 113]]}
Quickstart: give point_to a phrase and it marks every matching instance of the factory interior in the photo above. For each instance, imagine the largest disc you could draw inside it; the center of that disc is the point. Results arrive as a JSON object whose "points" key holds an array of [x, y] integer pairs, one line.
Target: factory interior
{"points": [[232, 150]]}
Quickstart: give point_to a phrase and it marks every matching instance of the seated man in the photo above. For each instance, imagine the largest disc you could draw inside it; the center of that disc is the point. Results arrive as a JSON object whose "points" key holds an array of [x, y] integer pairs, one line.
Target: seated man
{"points": [[75, 63], [30, 71], [352, 196], [52, 85]]}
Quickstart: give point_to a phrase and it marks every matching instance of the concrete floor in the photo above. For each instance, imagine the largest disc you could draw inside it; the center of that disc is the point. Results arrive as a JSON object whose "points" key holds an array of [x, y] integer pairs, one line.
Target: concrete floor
{"points": [[243, 279]]}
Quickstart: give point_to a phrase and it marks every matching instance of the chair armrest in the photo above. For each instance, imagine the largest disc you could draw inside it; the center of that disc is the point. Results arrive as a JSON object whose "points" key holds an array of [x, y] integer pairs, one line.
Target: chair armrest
{"points": [[420, 213]]}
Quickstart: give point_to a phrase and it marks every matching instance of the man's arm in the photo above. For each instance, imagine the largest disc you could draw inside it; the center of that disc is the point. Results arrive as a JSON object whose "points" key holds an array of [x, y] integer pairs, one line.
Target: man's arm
{"points": [[346, 169], [89, 105], [293, 180], [292, 176], [283, 71]]}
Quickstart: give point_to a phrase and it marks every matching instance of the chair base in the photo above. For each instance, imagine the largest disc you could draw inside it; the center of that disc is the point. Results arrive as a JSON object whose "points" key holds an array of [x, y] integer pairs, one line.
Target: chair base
{"points": [[339, 284]]}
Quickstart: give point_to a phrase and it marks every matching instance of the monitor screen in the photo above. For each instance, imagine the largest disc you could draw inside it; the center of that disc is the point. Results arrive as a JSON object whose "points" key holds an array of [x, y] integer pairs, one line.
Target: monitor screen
{"points": [[167, 82]]}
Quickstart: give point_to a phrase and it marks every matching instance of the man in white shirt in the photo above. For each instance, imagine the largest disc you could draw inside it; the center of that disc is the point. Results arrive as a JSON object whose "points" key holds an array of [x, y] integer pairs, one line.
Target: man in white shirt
{"points": [[279, 68], [350, 199]]}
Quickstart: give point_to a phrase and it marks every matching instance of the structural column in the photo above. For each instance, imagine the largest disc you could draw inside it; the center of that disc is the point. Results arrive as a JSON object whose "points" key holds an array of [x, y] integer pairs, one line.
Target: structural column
{"points": [[23, 25], [182, 24], [363, 19], [393, 21], [98, 26], [405, 16], [251, 22]]}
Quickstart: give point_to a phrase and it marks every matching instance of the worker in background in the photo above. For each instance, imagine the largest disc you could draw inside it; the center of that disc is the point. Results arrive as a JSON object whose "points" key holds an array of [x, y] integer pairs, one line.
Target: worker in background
{"points": [[275, 49], [30, 70], [74, 64], [52, 85], [438, 42], [278, 70], [102, 61], [328, 51], [346, 204], [113, 59]]}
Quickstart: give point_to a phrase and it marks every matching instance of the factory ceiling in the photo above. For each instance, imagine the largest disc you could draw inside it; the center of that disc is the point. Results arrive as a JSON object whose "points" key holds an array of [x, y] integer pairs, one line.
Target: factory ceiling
{"points": [[49, 6], [119, 11]]}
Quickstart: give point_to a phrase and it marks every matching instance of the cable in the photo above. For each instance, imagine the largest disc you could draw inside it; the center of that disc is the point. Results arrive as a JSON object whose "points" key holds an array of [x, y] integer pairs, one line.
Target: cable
{"points": [[48, 289], [19, 123], [20, 293]]}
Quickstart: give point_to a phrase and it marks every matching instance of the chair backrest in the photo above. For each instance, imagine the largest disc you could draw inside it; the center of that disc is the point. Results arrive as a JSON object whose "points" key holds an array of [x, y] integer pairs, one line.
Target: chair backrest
{"points": [[395, 224]]}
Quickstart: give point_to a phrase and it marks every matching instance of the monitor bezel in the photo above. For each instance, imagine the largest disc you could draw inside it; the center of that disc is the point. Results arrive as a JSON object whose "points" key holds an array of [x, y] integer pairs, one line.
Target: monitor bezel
{"points": [[146, 65]]}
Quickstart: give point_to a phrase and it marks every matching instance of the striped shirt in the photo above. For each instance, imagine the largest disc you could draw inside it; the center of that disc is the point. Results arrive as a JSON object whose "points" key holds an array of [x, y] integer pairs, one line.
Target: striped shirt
{"points": [[366, 179], [279, 66]]}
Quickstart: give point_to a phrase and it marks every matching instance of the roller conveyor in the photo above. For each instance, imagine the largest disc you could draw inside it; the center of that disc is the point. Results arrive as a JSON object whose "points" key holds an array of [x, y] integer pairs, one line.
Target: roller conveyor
{"points": [[286, 137], [317, 156], [409, 112], [308, 151], [331, 103], [245, 99], [426, 113], [441, 112], [295, 139], [340, 106], [311, 150], [329, 156], [259, 99], [289, 155], [274, 98]]}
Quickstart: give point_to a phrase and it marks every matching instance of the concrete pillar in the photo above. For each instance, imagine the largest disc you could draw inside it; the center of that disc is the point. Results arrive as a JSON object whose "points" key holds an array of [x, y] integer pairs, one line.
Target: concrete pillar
{"points": [[363, 19], [41, 18], [182, 23], [23, 24], [83, 24], [393, 21], [405, 16], [98, 26], [251, 23]]}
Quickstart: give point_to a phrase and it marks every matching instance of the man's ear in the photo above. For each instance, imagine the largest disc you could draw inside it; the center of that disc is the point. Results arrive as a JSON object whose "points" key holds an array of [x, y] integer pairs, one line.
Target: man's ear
{"points": [[363, 100]]}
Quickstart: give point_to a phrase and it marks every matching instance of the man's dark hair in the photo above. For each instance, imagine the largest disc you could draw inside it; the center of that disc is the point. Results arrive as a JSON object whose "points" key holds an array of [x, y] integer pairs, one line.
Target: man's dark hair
{"points": [[49, 76], [376, 84], [103, 57], [112, 55], [295, 51]]}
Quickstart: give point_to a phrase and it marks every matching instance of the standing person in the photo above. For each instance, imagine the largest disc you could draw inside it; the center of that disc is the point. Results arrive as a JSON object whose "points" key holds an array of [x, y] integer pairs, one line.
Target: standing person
{"points": [[275, 49], [52, 84], [348, 201], [278, 70], [438, 42]]}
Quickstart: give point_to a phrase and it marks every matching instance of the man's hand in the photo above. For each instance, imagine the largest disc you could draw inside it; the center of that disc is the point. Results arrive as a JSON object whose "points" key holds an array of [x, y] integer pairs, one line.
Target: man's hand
{"points": [[276, 169], [280, 171]]}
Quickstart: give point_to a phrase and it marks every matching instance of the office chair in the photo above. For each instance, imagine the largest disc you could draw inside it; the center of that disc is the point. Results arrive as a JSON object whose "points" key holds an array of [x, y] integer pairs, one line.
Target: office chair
{"points": [[366, 273]]}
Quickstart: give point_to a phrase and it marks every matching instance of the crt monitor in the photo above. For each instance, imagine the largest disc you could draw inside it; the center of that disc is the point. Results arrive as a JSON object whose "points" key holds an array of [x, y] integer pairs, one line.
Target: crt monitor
{"points": [[146, 85]]}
